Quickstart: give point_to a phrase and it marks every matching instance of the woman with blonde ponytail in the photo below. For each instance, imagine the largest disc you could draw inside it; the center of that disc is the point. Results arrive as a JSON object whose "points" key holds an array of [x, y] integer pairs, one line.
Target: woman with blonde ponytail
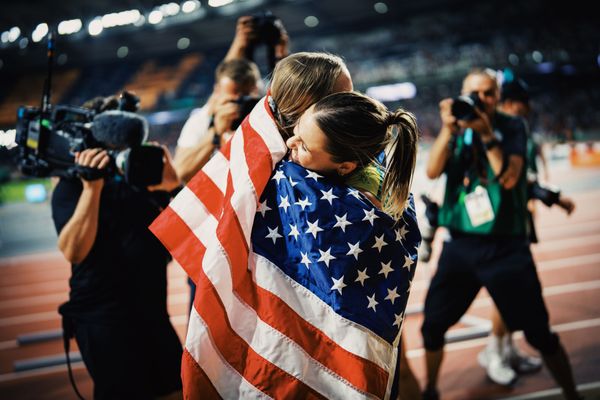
{"points": [[344, 135]]}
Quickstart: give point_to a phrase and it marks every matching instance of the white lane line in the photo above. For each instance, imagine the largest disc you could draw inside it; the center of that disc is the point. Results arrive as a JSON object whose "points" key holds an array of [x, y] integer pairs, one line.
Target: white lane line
{"points": [[566, 327], [12, 376], [549, 265], [566, 243], [556, 393], [549, 291]]}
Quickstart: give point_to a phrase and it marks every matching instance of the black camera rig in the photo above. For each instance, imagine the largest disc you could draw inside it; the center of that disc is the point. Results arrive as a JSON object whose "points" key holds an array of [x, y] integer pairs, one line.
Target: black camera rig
{"points": [[48, 137]]}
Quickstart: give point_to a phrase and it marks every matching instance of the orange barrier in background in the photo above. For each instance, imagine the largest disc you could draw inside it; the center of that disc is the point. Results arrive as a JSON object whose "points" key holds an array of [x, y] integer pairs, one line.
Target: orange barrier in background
{"points": [[585, 154]]}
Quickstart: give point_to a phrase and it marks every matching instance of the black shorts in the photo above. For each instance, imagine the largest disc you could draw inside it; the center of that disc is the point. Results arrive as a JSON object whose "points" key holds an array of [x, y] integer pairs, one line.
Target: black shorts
{"points": [[505, 267], [137, 361]]}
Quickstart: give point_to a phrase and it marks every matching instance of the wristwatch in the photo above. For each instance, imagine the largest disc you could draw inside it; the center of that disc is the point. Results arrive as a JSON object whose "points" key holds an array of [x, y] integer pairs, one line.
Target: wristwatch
{"points": [[491, 144]]}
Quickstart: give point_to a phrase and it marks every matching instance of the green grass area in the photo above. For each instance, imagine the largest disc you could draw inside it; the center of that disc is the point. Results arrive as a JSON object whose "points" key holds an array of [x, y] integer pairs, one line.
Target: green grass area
{"points": [[14, 192]]}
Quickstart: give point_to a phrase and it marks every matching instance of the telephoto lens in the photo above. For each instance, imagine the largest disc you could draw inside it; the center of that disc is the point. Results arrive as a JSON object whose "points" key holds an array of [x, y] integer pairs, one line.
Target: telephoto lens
{"points": [[463, 107]]}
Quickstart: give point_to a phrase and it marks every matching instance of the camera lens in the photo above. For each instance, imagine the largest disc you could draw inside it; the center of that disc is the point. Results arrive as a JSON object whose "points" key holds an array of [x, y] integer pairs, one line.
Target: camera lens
{"points": [[463, 107]]}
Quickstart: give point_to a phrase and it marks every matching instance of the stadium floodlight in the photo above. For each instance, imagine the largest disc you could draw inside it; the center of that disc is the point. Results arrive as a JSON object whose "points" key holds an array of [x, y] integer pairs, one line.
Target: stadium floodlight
{"points": [[155, 17], [39, 32], [70, 26], [190, 6], [121, 18], [394, 92], [14, 33], [219, 3], [170, 9], [311, 21], [95, 27]]}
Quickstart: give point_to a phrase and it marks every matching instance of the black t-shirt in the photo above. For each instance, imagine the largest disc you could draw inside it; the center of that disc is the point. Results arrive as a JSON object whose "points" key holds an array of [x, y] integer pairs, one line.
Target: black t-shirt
{"points": [[124, 275]]}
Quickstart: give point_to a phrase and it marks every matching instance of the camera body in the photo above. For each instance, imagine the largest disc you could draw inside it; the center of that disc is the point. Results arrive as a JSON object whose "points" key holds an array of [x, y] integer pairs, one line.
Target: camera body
{"points": [[246, 104], [463, 107], [47, 142], [268, 27], [269, 31]]}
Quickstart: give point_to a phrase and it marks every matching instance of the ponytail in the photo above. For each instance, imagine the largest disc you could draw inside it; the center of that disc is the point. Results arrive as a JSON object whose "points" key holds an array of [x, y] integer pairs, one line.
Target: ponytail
{"points": [[401, 156], [359, 128]]}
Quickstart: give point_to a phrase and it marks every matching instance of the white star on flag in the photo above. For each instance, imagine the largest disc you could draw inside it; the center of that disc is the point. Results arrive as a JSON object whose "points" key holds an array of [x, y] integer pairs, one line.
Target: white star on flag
{"points": [[313, 228], [398, 320], [292, 182], [386, 268], [354, 192], [326, 256], [372, 302], [370, 216], [329, 196], [362, 277], [354, 250], [338, 284], [305, 260], [342, 222], [408, 262], [379, 243], [263, 208], [303, 203], [278, 176], [401, 234], [392, 295], [273, 234], [312, 174], [284, 203], [294, 231]]}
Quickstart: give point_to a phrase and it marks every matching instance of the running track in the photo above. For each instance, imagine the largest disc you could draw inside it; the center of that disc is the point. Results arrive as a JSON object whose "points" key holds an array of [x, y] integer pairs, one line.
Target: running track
{"points": [[568, 258]]}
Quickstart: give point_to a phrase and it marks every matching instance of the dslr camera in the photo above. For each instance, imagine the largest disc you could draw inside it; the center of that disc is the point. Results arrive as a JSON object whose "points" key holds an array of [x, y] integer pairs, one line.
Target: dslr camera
{"points": [[246, 104], [463, 107], [269, 31], [47, 140]]}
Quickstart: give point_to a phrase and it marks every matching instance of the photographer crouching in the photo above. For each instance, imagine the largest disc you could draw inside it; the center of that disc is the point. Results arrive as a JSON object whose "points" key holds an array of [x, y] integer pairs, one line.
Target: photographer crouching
{"points": [[117, 307]]}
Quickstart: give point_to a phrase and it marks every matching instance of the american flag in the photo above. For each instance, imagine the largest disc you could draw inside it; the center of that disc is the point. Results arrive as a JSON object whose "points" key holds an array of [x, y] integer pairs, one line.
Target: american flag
{"points": [[301, 283]]}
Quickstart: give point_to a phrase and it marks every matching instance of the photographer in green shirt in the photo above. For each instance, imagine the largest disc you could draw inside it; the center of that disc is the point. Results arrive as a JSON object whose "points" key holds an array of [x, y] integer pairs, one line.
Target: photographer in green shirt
{"points": [[482, 153]]}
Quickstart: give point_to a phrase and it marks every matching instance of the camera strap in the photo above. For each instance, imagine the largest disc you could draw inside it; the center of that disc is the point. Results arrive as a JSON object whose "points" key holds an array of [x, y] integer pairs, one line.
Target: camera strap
{"points": [[68, 333]]}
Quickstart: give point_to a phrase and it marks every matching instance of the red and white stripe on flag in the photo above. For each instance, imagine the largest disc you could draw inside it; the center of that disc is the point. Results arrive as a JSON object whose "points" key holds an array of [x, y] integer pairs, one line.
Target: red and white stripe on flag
{"points": [[253, 331]]}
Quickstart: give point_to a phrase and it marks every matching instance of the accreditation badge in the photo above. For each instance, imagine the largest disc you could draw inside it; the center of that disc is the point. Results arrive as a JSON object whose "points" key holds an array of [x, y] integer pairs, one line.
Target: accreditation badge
{"points": [[479, 206]]}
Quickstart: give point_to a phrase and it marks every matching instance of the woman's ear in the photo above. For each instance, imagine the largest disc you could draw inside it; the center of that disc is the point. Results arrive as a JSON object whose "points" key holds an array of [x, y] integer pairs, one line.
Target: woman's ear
{"points": [[346, 167]]}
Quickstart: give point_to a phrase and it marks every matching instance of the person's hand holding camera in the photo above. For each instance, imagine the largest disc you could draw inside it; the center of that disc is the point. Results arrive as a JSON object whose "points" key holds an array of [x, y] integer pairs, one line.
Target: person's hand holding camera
{"points": [[245, 37], [90, 163], [449, 121], [226, 112], [481, 124], [282, 47]]}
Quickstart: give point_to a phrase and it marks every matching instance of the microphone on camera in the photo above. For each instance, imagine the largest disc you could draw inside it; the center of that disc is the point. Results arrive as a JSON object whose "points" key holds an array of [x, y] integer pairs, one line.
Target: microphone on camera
{"points": [[119, 129]]}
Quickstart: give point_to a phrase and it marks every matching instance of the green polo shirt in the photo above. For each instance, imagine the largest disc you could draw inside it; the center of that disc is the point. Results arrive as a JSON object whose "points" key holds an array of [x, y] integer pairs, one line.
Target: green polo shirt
{"points": [[469, 167]]}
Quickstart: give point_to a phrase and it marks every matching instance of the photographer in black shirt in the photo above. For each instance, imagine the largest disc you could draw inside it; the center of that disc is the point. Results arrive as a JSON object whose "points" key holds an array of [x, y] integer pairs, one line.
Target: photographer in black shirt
{"points": [[117, 307]]}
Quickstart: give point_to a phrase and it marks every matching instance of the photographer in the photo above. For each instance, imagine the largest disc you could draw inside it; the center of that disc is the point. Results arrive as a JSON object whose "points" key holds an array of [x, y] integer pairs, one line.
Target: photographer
{"points": [[237, 85], [211, 126], [484, 209], [117, 308]]}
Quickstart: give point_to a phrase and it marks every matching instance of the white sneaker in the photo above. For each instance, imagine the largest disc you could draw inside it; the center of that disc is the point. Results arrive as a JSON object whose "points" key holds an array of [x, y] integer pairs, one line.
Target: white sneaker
{"points": [[521, 362], [498, 370]]}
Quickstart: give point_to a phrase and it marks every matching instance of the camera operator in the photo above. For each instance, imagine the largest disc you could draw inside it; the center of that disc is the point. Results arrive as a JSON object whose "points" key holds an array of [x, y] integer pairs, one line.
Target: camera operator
{"points": [[484, 209], [117, 308]]}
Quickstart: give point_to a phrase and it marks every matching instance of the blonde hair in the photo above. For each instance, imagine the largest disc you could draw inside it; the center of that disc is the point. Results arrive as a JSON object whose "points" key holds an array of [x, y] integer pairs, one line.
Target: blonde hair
{"points": [[299, 80], [359, 128]]}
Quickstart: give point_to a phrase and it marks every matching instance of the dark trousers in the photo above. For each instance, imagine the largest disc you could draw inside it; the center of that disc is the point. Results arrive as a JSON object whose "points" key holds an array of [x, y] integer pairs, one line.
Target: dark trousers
{"points": [[133, 361], [506, 269]]}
